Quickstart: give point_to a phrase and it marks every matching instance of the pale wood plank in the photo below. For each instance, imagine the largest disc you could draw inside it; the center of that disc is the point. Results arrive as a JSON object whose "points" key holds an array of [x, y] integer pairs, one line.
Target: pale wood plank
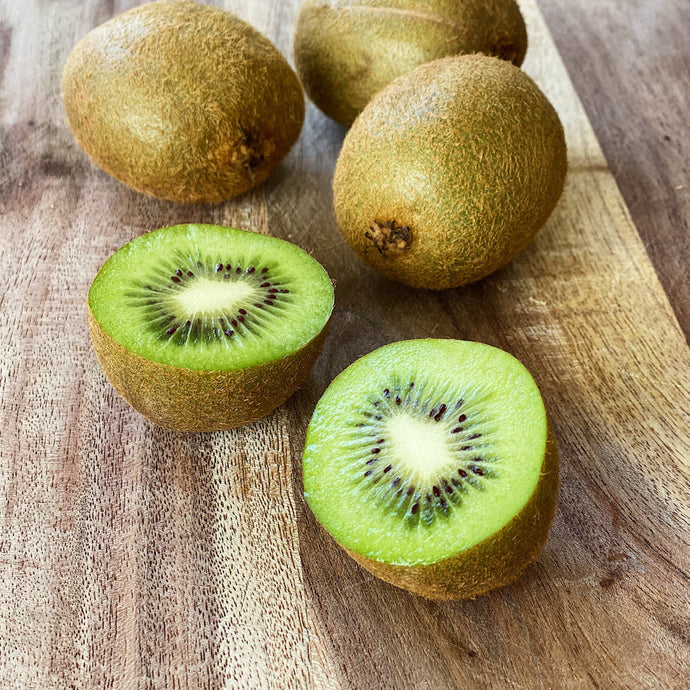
{"points": [[629, 62]]}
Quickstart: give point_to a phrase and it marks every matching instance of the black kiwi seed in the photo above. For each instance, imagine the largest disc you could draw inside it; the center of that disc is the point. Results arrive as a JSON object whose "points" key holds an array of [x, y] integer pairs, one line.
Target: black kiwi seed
{"points": [[156, 294], [423, 504]]}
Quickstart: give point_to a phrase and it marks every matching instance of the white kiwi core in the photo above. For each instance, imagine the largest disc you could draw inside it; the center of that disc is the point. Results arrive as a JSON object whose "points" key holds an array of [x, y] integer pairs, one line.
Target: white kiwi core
{"points": [[422, 449], [419, 446], [209, 296]]}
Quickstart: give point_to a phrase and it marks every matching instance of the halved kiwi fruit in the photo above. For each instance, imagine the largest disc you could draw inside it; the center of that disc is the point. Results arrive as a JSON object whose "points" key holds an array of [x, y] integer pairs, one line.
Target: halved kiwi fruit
{"points": [[204, 328], [348, 50], [182, 101], [433, 464], [449, 172]]}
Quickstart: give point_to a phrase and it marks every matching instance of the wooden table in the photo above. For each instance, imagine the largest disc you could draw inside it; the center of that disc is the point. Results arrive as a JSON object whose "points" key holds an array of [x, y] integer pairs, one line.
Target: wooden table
{"points": [[134, 557], [629, 63]]}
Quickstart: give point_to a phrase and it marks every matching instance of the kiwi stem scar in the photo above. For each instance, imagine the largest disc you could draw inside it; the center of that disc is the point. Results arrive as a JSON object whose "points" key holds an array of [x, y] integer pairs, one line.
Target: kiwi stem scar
{"points": [[389, 238]]}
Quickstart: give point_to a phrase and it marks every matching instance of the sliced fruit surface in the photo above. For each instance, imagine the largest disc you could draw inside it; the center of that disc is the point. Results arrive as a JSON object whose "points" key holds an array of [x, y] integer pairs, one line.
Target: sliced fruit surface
{"points": [[422, 449], [206, 297]]}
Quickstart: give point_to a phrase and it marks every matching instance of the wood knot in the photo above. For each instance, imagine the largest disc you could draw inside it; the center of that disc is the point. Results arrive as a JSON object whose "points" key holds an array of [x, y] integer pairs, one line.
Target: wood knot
{"points": [[389, 238]]}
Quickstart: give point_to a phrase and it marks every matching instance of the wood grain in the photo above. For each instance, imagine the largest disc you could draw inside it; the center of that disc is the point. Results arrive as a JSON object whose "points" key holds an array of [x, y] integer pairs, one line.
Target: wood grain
{"points": [[629, 62], [133, 557]]}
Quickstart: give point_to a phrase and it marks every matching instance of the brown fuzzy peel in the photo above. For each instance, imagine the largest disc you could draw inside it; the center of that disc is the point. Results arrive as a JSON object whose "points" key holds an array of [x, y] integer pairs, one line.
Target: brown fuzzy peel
{"points": [[468, 153], [182, 101], [347, 51], [189, 400]]}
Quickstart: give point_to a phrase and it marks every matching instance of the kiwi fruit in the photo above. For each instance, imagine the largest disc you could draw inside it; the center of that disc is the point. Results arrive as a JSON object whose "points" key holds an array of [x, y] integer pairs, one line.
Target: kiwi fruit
{"points": [[433, 464], [182, 101], [205, 328], [449, 172], [348, 50]]}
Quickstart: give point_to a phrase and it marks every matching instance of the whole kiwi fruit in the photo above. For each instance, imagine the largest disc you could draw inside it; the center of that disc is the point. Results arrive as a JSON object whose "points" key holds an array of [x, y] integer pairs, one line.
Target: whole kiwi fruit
{"points": [[433, 464], [182, 101], [450, 171], [348, 50], [205, 328]]}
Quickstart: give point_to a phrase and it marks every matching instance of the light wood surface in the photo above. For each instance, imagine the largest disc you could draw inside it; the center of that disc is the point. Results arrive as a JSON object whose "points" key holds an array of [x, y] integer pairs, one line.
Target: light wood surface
{"points": [[133, 557], [630, 64]]}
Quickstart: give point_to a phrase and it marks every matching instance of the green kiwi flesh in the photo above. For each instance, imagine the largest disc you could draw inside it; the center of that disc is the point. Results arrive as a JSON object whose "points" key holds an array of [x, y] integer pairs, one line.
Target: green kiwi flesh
{"points": [[182, 101], [450, 172], [204, 328], [348, 50], [433, 464]]}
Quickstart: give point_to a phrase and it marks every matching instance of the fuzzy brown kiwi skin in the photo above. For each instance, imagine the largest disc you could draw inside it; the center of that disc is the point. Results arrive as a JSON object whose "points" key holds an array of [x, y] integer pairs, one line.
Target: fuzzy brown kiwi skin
{"points": [[182, 101], [346, 52], [465, 157], [190, 400], [493, 563]]}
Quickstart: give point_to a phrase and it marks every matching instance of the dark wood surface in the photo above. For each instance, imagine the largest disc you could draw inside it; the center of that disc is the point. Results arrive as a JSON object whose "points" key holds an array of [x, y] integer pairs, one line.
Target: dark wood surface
{"points": [[134, 557], [630, 65]]}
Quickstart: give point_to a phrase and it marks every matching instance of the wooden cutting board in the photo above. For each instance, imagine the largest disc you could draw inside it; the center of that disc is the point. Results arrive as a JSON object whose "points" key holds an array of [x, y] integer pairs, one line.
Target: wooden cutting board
{"points": [[134, 557]]}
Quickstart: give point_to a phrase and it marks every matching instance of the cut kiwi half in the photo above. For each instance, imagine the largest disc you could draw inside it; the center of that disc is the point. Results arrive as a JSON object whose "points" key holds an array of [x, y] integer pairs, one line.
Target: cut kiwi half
{"points": [[205, 328], [433, 464]]}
